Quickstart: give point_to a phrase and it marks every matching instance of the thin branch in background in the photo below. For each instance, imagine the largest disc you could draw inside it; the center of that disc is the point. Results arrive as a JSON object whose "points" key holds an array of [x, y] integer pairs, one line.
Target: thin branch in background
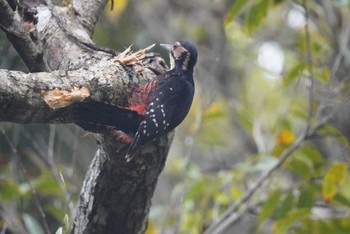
{"points": [[36, 199], [49, 160], [40, 150], [343, 40], [34, 195], [309, 66], [338, 22], [51, 144], [187, 158], [25, 177], [54, 169], [75, 150], [13, 148]]}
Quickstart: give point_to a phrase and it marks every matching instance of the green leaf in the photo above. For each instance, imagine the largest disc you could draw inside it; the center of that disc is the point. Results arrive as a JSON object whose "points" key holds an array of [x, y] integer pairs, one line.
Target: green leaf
{"points": [[281, 226], [312, 154], [331, 131], [46, 184], [306, 199], [236, 193], [334, 178], [235, 9], [256, 14], [8, 190], [302, 166], [53, 211], [215, 128], [269, 206], [340, 198], [324, 75], [286, 205], [293, 73], [245, 118], [342, 225]]}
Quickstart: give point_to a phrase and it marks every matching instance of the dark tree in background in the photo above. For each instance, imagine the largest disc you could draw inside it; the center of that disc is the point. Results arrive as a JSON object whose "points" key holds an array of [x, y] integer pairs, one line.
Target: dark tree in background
{"points": [[264, 148]]}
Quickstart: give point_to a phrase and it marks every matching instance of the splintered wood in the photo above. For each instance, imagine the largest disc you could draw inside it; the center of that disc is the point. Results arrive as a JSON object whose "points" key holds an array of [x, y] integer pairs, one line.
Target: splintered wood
{"points": [[127, 57], [58, 98]]}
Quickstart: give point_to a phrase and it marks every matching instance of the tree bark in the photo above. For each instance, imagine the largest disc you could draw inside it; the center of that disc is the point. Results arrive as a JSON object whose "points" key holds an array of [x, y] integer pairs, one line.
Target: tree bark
{"points": [[116, 195]]}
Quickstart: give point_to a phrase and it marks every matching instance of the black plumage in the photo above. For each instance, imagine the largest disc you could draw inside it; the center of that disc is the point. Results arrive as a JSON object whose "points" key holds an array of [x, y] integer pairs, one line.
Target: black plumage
{"points": [[155, 108]]}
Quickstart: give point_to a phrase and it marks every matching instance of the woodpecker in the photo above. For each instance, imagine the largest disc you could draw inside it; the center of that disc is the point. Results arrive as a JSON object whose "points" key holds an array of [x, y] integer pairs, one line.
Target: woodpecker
{"points": [[155, 108]]}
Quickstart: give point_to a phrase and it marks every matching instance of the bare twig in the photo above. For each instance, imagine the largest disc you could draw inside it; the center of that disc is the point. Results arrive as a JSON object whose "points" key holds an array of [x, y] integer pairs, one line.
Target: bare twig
{"points": [[343, 50], [54, 169], [20, 38], [36, 199]]}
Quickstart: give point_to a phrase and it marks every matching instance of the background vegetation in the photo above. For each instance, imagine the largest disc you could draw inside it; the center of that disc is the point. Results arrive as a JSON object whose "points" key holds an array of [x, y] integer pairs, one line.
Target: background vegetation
{"points": [[266, 138]]}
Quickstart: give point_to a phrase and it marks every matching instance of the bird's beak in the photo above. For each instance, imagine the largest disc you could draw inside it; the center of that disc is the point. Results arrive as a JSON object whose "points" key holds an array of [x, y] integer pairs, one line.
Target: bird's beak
{"points": [[168, 47]]}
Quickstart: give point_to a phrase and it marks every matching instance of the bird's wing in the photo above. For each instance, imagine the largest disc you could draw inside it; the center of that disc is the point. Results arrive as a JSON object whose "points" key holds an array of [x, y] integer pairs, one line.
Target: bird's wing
{"points": [[168, 107], [140, 98]]}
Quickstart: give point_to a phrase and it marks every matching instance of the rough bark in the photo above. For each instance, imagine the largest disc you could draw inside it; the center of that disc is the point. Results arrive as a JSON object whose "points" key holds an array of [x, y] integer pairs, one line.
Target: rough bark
{"points": [[116, 195], [88, 12], [21, 98]]}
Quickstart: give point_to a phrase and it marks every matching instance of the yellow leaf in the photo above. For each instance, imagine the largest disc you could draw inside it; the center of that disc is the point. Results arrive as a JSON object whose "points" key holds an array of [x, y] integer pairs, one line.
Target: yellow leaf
{"points": [[115, 8], [285, 137], [216, 109], [194, 116], [333, 179], [151, 229]]}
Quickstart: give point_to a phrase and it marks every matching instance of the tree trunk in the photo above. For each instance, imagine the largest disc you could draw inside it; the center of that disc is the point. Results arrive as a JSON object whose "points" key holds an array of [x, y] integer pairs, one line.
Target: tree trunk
{"points": [[116, 195]]}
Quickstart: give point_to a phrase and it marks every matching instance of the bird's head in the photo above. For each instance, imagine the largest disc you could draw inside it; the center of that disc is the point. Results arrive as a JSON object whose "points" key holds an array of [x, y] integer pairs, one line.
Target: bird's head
{"points": [[183, 55]]}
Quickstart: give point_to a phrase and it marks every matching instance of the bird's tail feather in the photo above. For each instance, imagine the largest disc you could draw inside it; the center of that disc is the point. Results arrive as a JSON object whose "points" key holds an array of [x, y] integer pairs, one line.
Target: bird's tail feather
{"points": [[132, 148], [93, 115]]}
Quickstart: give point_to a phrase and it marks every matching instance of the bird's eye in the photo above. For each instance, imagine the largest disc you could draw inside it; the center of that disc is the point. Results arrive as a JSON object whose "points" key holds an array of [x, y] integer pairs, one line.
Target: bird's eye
{"points": [[176, 45]]}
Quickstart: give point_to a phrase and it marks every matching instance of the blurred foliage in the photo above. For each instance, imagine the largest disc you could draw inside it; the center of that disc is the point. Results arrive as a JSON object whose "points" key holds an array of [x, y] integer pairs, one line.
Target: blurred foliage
{"points": [[251, 105], [272, 108]]}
